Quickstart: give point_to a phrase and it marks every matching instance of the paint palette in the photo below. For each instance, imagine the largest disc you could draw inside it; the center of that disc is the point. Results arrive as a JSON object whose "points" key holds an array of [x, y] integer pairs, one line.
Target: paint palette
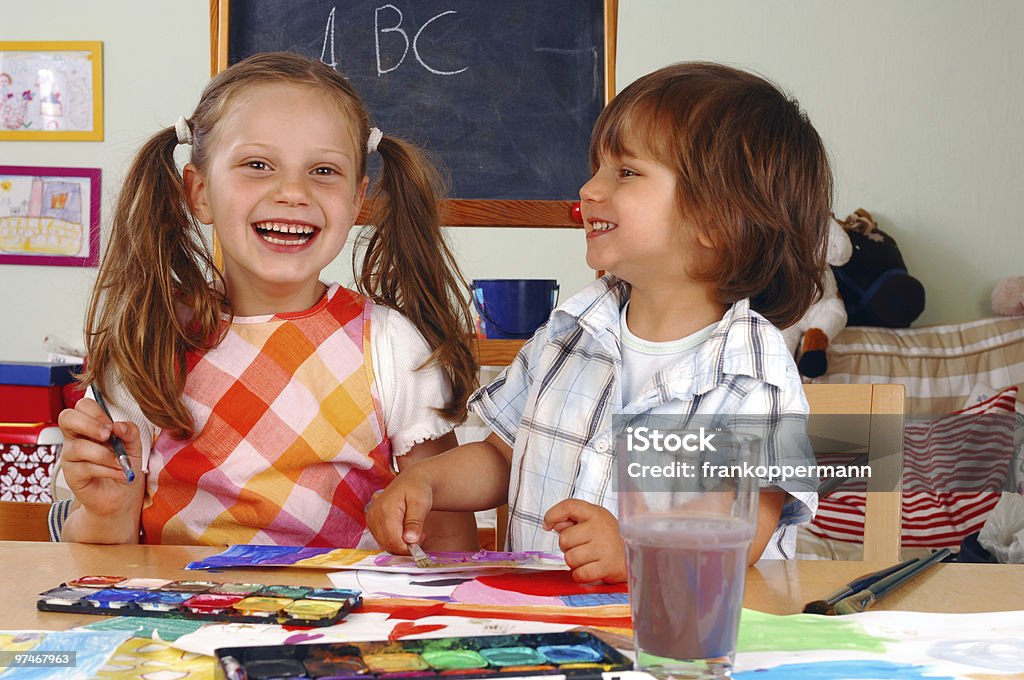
{"points": [[203, 600], [488, 656]]}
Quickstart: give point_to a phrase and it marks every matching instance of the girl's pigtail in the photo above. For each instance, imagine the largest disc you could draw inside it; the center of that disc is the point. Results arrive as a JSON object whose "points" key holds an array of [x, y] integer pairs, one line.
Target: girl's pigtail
{"points": [[409, 267], [153, 301]]}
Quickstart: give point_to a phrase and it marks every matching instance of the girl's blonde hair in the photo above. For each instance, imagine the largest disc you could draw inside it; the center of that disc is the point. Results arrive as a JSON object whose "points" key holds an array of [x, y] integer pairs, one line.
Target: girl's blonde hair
{"points": [[154, 301]]}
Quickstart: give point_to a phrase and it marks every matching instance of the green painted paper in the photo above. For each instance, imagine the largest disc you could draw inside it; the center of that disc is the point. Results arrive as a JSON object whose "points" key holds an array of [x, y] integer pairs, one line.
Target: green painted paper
{"points": [[760, 632], [167, 630]]}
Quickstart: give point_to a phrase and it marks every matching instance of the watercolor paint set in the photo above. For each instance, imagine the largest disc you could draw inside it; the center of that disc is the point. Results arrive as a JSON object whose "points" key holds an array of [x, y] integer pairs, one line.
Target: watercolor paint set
{"points": [[574, 654], [201, 600]]}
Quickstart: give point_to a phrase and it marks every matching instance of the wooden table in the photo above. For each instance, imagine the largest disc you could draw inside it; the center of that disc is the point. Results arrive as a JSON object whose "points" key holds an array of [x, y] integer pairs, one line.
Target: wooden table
{"points": [[27, 569]]}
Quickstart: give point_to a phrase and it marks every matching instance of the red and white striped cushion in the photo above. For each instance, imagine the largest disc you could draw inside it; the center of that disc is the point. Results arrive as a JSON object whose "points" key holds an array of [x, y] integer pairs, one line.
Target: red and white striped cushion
{"points": [[953, 470]]}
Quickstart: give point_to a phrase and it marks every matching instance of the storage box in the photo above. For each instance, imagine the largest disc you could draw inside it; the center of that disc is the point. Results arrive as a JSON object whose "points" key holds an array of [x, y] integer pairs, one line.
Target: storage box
{"points": [[28, 452], [42, 374], [30, 403]]}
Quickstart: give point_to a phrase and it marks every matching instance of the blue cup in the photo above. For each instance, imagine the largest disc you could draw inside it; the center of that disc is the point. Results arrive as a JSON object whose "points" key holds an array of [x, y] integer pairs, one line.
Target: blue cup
{"points": [[513, 308]]}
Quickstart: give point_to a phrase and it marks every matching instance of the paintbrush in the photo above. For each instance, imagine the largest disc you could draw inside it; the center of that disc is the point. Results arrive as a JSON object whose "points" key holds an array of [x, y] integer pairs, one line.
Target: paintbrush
{"points": [[423, 560], [854, 586], [860, 601], [114, 440]]}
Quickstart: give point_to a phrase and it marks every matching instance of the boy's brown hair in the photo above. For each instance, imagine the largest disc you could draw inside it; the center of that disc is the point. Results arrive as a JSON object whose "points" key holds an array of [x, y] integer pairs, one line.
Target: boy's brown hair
{"points": [[752, 173], [153, 302]]}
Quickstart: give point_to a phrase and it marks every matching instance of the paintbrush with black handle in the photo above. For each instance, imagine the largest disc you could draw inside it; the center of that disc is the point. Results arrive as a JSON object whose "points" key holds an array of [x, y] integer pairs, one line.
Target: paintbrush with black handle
{"points": [[858, 602], [855, 586]]}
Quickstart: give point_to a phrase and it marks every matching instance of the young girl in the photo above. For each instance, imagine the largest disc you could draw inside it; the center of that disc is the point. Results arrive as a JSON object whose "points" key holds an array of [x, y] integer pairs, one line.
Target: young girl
{"points": [[267, 406], [709, 208]]}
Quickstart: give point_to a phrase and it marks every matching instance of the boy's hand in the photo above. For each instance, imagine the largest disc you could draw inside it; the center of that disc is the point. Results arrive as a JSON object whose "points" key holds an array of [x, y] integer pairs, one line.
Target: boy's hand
{"points": [[589, 536], [397, 513], [90, 465]]}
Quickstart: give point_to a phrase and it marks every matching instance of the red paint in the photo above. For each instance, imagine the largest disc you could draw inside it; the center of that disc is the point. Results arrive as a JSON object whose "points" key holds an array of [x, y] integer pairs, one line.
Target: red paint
{"points": [[548, 583], [406, 628]]}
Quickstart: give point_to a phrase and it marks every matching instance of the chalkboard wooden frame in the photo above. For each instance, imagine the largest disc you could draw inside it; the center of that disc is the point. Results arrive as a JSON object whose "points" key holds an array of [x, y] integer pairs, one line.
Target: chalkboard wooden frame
{"points": [[461, 212]]}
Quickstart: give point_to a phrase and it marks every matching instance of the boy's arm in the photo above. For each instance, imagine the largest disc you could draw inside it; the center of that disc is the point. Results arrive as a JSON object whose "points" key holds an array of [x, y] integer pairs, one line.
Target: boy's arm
{"points": [[467, 478], [443, 530], [769, 511]]}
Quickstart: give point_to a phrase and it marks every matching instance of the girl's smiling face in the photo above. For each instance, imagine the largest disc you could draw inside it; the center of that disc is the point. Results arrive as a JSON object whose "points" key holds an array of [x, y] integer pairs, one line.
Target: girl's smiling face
{"points": [[281, 192]]}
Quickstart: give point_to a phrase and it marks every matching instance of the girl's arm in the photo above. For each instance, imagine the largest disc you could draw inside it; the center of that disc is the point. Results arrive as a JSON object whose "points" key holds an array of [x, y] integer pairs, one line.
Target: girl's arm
{"points": [[442, 530], [467, 478], [107, 507]]}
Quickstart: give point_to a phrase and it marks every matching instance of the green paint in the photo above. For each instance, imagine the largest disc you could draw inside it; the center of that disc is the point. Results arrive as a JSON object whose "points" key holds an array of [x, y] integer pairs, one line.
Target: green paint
{"points": [[760, 632], [168, 630], [444, 660]]}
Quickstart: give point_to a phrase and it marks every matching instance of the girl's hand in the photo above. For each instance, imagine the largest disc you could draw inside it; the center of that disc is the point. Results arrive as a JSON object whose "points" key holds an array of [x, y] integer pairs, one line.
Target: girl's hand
{"points": [[589, 536], [90, 465], [397, 513]]}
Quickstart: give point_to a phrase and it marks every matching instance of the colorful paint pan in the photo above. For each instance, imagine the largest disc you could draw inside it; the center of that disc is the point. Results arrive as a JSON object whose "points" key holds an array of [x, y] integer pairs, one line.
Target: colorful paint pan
{"points": [[189, 586], [453, 659], [397, 662], [332, 594], [291, 592], [143, 583], [162, 601], [335, 666], [96, 581], [513, 656], [563, 654], [113, 598], [312, 610], [262, 606], [65, 595], [270, 669], [237, 588], [212, 603], [493, 657]]}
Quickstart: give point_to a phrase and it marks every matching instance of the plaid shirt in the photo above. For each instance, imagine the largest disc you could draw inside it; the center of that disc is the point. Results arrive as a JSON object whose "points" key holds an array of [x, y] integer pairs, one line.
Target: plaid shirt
{"points": [[554, 405]]}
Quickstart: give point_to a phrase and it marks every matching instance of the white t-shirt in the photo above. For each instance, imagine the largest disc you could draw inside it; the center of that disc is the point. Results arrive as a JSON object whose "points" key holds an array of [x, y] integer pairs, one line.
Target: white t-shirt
{"points": [[642, 359]]}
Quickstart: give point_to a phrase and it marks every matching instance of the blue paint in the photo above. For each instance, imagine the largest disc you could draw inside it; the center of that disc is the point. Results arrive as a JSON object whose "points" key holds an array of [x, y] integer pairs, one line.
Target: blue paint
{"points": [[843, 670], [1005, 655], [161, 601], [559, 654], [115, 599]]}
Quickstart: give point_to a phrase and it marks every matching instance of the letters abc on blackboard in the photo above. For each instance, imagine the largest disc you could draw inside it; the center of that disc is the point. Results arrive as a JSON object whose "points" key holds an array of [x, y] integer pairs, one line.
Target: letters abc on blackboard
{"points": [[504, 94]]}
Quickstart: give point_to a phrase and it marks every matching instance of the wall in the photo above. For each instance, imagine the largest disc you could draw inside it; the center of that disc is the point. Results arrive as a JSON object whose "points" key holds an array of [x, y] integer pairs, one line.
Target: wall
{"points": [[918, 101]]}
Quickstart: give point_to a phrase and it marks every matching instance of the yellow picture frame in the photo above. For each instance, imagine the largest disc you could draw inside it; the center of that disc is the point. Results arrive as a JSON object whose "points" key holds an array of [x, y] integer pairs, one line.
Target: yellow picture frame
{"points": [[51, 91]]}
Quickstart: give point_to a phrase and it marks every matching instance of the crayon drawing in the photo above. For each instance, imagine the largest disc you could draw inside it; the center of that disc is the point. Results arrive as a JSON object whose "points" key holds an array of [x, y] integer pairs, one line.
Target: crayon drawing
{"points": [[142, 659], [92, 649], [49, 216], [51, 91]]}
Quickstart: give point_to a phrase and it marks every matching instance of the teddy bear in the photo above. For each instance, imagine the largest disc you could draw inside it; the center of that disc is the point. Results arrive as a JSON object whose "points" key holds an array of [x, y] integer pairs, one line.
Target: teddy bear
{"points": [[808, 338], [874, 284], [1008, 296]]}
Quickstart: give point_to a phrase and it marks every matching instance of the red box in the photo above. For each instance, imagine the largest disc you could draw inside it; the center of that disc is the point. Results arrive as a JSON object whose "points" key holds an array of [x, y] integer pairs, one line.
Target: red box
{"points": [[30, 403], [27, 454]]}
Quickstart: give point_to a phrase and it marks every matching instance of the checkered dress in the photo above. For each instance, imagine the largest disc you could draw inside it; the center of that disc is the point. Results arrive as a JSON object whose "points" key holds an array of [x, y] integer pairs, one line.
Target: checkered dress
{"points": [[290, 442], [554, 405]]}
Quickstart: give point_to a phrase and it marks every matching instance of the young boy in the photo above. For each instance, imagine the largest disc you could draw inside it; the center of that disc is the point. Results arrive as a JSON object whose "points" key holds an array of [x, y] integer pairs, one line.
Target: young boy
{"points": [[709, 208]]}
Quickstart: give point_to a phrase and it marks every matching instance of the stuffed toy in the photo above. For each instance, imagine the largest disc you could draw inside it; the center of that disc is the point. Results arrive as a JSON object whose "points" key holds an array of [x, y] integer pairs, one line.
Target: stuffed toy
{"points": [[808, 338], [874, 284], [1008, 297]]}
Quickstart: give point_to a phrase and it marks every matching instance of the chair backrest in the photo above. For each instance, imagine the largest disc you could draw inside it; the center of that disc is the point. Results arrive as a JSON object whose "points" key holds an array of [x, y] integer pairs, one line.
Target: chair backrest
{"points": [[880, 430], [24, 521]]}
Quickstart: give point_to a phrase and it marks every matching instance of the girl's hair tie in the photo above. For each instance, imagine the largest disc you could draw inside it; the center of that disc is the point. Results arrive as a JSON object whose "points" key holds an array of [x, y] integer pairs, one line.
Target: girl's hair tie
{"points": [[184, 131], [373, 140]]}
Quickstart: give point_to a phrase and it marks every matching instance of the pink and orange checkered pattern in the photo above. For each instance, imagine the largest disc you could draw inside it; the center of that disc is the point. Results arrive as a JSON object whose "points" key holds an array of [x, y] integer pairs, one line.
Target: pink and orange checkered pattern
{"points": [[290, 444]]}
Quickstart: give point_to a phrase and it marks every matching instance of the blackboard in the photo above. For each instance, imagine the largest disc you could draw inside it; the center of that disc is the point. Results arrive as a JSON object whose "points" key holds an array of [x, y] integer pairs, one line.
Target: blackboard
{"points": [[504, 93]]}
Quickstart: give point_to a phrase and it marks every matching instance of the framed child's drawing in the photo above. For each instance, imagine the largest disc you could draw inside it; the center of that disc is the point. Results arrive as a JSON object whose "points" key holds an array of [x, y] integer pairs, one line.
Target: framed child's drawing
{"points": [[49, 216], [51, 91]]}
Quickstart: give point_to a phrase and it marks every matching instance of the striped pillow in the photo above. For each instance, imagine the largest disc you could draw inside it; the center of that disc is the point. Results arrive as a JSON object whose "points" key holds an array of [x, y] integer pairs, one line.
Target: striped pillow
{"points": [[954, 468]]}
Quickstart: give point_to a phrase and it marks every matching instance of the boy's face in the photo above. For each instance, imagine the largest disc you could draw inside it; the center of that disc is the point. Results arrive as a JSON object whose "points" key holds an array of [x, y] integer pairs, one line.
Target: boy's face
{"points": [[634, 226]]}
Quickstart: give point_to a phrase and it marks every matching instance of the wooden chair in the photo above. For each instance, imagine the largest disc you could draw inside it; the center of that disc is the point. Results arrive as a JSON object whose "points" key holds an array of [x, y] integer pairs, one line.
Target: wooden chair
{"points": [[24, 521], [880, 430]]}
